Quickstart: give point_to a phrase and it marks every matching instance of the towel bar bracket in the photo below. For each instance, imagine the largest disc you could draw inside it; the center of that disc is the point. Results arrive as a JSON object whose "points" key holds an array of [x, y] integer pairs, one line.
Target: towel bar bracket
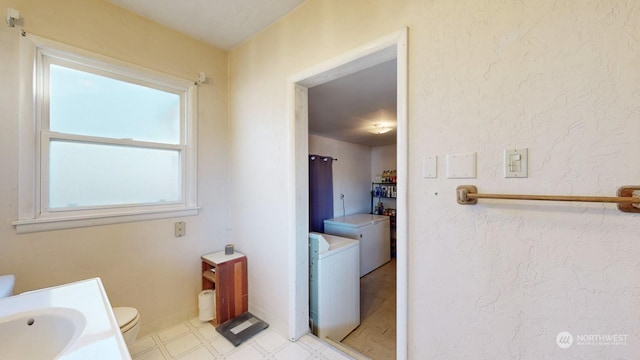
{"points": [[629, 191], [463, 192]]}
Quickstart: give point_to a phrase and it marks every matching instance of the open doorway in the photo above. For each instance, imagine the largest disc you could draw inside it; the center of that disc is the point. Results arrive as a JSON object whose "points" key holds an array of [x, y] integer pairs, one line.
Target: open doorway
{"points": [[352, 120], [391, 47]]}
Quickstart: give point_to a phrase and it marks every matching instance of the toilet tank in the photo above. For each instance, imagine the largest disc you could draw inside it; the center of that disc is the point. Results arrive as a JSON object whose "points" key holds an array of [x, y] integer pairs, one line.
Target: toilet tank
{"points": [[6, 285]]}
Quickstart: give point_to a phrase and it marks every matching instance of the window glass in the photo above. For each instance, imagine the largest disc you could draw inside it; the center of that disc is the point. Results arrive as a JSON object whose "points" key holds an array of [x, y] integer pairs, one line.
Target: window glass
{"points": [[88, 174], [87, 104]]}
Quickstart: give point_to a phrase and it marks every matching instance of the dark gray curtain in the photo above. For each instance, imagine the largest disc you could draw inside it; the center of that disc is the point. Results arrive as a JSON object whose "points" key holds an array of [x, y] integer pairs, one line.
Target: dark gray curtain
{"points": [[320, 191]]}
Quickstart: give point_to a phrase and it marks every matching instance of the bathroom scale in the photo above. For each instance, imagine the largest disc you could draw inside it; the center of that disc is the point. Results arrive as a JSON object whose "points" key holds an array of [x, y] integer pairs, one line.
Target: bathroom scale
{"points": [[241, 328]]}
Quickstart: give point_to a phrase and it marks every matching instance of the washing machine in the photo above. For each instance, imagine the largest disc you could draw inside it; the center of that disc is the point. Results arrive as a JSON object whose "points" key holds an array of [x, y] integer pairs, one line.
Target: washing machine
{"points": [[334, 285]]}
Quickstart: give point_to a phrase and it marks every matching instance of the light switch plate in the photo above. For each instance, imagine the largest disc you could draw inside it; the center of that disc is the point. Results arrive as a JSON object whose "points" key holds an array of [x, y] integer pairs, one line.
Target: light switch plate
{"points": [[516, 162], [461, 166], [430, 167]]}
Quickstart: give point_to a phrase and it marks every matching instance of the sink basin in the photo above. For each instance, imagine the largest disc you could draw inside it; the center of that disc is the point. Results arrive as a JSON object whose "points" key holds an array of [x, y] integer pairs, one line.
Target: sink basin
{"points": [[71, 321], [39, 334]]}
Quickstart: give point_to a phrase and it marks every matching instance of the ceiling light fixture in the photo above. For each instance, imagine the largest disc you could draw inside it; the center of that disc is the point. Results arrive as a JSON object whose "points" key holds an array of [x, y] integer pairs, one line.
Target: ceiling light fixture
{"points": [[380, 129]]}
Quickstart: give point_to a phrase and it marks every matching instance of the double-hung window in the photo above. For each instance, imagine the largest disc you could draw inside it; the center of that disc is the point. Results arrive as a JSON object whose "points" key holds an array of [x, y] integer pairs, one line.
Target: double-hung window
{"points": [[102, 141]]}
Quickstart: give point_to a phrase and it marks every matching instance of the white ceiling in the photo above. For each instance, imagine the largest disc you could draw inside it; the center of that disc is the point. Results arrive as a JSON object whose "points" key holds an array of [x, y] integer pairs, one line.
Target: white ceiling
{"points": [[223, 23], [349, 107], [344, 109]]}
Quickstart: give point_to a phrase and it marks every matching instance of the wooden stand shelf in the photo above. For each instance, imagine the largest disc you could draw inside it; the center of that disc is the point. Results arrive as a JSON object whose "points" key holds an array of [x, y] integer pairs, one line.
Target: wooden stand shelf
{"points": [[227, 275], [209, 275]]}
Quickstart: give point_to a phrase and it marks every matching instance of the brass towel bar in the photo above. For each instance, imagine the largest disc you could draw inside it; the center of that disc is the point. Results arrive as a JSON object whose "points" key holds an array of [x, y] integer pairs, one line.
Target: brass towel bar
{"points": [[628, 198]]}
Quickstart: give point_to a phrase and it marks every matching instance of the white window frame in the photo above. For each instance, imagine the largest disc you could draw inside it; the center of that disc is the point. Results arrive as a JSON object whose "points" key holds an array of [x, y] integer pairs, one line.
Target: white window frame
{"points": [[34, 135]]}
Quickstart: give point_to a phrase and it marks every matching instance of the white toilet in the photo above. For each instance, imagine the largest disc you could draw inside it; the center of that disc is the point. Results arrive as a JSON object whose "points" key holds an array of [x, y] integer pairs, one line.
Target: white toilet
{"points": [[129, 322], [6, 285]]}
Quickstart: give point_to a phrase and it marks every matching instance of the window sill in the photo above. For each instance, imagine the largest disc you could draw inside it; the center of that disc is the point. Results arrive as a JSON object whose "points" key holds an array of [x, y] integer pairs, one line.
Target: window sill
{"points": [[69, 222]]}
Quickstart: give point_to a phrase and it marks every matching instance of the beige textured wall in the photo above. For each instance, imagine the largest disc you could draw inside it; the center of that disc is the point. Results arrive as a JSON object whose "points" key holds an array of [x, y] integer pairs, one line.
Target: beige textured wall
{"points": [[141, 264], [498, 280]]}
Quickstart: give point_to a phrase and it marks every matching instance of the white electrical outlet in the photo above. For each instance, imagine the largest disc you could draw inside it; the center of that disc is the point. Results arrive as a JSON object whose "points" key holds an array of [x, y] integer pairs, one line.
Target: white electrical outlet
{"points": [[180, 228]]}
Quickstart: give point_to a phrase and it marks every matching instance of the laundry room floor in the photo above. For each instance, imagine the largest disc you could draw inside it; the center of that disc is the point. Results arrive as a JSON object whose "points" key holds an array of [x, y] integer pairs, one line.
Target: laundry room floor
{"points": [[376, 335]]}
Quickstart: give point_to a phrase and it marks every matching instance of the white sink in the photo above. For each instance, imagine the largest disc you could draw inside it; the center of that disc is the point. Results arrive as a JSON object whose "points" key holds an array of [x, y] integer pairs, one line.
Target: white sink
{"points": [[39, 334], [67, 322]]}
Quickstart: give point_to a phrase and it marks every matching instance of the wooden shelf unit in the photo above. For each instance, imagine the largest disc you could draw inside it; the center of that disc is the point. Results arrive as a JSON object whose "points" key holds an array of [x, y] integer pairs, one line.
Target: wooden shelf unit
{"points": [[227, 275]]}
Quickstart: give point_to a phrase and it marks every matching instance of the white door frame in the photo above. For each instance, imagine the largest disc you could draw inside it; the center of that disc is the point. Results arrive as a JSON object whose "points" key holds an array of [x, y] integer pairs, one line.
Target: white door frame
{"points": [[386, 48]]}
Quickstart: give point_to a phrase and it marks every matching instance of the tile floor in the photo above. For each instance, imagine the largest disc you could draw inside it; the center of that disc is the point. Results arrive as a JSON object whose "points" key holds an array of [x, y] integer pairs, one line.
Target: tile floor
{"points": [[376, 335], [195, 340]]}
